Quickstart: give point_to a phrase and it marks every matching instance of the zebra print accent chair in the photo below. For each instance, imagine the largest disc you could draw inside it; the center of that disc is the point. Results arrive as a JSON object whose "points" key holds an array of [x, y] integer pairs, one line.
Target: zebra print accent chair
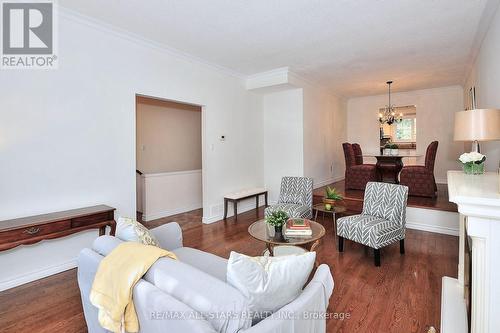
{"points": [[382, 222], [296, 196]]}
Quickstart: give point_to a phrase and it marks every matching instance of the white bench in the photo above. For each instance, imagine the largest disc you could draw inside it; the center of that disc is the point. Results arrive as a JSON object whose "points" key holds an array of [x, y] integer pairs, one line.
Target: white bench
{"points": [[241, 195]]}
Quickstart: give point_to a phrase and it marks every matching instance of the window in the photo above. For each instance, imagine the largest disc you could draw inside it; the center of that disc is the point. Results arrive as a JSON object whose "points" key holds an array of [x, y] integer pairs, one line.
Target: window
{"points": [[405, 131]]}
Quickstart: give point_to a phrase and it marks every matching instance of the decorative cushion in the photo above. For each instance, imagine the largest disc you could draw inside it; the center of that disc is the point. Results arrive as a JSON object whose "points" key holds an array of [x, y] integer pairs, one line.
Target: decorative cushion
{"points": [[293, 210], [128, 229], [368, 230], [269, 283]]}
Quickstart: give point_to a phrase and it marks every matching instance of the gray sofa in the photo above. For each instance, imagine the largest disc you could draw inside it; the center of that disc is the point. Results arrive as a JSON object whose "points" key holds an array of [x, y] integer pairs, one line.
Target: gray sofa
{"points": [[191, 294]]}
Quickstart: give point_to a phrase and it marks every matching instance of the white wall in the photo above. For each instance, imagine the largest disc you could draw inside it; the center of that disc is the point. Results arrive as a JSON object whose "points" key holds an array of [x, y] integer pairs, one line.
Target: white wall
{"points": [[170, 193], [67, 136], [485, 76], [435, 113], [324, 133], [283, 138]]}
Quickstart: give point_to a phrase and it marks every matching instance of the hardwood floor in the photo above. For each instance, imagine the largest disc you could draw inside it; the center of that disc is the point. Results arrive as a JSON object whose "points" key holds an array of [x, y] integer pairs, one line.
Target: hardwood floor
{"points": [[403, 295]]}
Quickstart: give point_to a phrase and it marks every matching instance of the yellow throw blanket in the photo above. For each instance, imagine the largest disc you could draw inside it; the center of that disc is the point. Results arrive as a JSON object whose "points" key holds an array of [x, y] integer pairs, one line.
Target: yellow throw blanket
{"points": [[114, 282]]}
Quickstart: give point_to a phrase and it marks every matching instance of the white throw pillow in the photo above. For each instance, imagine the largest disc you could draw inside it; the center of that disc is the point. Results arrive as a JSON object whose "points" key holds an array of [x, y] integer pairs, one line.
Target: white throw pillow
{"points": [[129, 230], [269, 283]]}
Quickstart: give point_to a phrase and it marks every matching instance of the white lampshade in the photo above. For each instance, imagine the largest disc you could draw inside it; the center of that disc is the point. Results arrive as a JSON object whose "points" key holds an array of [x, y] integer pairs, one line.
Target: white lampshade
{"points": [[477, 125]]}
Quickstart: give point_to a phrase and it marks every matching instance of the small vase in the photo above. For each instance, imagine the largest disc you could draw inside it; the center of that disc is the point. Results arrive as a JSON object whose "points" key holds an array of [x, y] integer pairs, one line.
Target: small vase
{"points": [[278, 232], [473, 168]]}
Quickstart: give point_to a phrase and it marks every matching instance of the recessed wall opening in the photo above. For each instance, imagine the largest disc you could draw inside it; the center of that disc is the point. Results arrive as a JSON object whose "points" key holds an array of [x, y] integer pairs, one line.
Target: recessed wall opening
{"points": [[168, 158]]}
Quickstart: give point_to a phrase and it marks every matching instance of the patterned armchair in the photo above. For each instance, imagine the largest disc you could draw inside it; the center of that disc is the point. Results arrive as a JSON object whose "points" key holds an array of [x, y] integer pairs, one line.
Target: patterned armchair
{"points": [[420, 178], [357, 175], [382, 222], [296, 196]]}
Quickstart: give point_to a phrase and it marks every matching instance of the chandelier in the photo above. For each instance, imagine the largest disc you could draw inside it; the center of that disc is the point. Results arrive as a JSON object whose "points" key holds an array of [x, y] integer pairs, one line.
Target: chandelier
{"points": [[388, 114]]}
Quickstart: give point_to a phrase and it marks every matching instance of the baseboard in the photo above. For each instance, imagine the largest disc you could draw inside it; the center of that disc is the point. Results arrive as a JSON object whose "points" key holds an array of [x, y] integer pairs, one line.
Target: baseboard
{"points": [[219, 211], [36, 275], [441, 222], [328, 181], [432, 228], [170, 212]]}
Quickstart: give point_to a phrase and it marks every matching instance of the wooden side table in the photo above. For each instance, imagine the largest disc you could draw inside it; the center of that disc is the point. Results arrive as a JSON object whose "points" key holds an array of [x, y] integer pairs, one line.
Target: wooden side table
{"points": [[335, 209]]}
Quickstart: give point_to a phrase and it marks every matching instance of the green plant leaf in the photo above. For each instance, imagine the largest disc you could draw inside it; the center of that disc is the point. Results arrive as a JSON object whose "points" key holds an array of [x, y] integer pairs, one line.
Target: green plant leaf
{"points": [[331, 193], [277, 218]]}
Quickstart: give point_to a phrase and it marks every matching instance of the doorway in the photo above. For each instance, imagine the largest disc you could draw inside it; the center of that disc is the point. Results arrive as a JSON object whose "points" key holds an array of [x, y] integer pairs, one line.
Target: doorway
{"points": [[168, 158]]}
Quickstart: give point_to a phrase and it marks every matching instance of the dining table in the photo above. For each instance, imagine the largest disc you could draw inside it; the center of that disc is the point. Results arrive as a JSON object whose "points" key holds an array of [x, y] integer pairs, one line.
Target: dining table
{"points": [[389, 166]]}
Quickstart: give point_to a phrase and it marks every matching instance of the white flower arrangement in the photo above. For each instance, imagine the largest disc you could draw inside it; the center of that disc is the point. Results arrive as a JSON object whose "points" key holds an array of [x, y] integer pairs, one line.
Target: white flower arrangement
{"points": [[472, 163], [472, 157]]}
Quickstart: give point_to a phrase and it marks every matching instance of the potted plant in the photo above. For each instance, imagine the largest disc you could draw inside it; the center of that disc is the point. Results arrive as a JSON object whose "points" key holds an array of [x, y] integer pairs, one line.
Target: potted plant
{"points": [[394, 149], [387, 148], [331, 197], [391, 149], [472, 163], [277, 219]]}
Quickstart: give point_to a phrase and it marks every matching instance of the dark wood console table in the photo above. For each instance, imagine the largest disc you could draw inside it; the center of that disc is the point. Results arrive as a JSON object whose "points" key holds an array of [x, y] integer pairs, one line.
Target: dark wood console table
{"points": [[33, 229], [390, 165]]}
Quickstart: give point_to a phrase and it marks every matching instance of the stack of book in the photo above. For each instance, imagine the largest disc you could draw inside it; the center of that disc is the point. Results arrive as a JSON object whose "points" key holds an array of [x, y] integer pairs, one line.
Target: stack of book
{"points": [[298, 228]]}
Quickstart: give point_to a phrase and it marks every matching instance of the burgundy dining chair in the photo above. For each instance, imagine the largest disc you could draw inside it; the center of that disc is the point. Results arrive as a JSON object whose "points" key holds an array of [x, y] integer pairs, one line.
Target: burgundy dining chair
{"points": [[420, 178], [358, 153], [357, 175]]}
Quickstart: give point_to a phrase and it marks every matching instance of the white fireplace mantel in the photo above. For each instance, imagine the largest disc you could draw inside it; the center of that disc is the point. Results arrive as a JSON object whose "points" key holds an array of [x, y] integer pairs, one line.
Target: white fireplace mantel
{"points": [[475, 195], [478, 200]]}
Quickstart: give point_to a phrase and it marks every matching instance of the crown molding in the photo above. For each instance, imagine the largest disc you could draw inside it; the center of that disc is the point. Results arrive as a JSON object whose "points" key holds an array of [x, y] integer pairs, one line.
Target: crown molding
{"points": [[101, 26], [283, 78], [252, 82], [268, 81], [269, 74]]}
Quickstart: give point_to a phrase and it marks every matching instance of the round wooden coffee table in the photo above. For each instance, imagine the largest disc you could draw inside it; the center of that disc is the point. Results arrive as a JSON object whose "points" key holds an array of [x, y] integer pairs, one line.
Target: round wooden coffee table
{"points": [[262, 231]]}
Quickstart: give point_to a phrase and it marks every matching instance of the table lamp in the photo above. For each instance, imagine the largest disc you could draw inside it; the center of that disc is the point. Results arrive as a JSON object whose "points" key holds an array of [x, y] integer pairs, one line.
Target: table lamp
{"points": [[477, 125]]}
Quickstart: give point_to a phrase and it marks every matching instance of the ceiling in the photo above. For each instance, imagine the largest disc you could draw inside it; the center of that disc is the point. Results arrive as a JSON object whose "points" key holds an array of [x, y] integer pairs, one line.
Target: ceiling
{"points": [[350, 46]]}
